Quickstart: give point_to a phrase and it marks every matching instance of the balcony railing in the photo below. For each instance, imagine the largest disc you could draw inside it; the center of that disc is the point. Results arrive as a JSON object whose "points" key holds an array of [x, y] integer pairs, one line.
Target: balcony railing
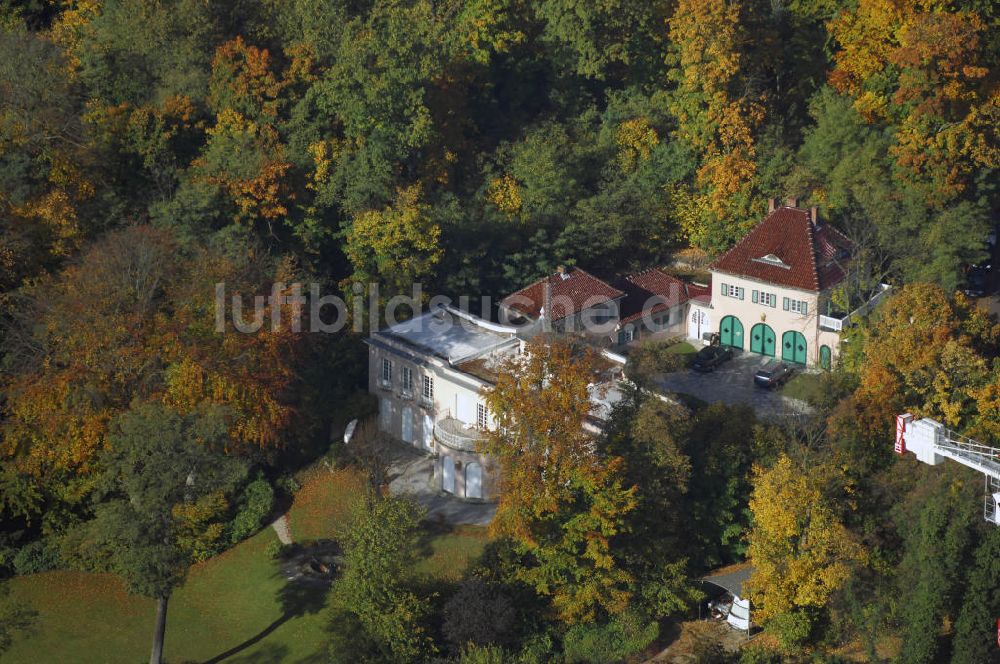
{"points": [[385, 384], [405, 394], [838, 323], [456, 434], [425, 401]]}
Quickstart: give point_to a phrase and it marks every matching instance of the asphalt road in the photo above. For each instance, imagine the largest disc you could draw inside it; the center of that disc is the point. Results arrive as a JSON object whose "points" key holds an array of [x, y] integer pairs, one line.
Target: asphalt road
{"points": [[732, 383]]}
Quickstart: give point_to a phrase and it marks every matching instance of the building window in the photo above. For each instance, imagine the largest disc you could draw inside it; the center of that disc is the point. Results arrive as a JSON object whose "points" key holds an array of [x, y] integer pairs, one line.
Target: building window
{"points": [[428, 387], [386, 371], [482, 421], [764, 298], [407, 375], [732, 291], [796, 306], [629, 334]]}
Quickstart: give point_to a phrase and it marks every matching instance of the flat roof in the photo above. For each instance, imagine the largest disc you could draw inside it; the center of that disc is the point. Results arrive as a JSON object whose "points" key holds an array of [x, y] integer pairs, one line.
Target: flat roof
{"points": [[446, 335]]}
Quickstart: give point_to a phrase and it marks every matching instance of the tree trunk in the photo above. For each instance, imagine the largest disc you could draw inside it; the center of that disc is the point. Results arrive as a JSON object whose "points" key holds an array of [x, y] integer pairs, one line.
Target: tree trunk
{"points": [[156, 657]]}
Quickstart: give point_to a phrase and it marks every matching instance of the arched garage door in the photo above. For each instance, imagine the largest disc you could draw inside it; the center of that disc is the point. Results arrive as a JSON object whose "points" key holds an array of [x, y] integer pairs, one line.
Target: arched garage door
{"points": [[793, 347], [731, 332], [762, 339]]}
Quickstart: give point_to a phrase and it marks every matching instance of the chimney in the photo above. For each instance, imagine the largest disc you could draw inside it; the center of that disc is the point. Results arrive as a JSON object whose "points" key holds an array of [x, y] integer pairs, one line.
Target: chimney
{"points": [[561, 271], [792, 202], [814, 215], [771, 204]]}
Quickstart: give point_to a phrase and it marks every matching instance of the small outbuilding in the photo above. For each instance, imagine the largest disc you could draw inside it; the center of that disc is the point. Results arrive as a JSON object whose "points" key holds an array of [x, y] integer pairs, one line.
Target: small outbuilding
{"points": [[734, 605]]}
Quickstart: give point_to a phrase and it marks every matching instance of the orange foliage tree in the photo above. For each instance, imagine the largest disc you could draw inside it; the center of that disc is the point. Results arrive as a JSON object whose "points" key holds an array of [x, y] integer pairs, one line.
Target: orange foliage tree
{"points": [[562, 503], [926, 68], [134, 319]]}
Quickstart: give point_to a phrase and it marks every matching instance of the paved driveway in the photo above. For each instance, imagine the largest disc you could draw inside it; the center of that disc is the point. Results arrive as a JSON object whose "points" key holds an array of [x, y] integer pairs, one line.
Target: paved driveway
{"points": [[732, 383], [411, 473]]}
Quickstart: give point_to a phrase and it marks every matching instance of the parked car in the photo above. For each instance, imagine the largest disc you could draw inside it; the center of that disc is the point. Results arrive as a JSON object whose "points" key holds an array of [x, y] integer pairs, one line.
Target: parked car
{"points": [[710, 357], [977, 280], [773, 373]]}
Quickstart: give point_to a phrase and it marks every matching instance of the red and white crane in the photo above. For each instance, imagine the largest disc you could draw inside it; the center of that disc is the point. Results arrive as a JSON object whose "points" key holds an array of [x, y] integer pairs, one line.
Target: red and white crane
{"points": [[932, 443]]}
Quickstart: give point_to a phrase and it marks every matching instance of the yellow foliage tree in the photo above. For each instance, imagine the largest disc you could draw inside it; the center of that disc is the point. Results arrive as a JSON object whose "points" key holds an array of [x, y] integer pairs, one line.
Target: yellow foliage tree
{"points": [[397, 246], [800, 550], [927, 69], [706, 62]]}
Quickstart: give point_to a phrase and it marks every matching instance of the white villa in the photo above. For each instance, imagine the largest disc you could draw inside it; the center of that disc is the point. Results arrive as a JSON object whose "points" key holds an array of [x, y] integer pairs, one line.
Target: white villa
{"points": [[429, 374]]}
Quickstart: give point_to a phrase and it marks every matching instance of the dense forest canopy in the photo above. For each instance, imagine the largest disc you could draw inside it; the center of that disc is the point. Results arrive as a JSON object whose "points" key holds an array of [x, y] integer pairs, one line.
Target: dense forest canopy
{"points": [[150, 149]]}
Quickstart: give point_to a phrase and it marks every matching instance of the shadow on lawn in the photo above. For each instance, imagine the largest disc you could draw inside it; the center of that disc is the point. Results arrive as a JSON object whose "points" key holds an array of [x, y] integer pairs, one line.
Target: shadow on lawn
{"points": [[296, 598]]}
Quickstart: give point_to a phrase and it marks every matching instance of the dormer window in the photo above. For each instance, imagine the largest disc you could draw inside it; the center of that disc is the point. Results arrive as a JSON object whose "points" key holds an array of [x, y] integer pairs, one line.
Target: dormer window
{"points": [[771, 259]]}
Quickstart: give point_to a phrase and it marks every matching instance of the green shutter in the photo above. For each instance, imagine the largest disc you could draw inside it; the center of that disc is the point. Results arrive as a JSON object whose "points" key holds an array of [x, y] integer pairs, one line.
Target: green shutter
{"points": [[739, 292], [805, 307], [754, 297], [784, 303], [724, 291]]}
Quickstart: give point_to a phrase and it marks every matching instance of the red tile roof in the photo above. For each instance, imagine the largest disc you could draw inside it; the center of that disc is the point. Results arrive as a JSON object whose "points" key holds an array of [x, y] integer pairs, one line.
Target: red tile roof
{"points": [[809, 256], [650, 292], [699, 292], [570, 293]]}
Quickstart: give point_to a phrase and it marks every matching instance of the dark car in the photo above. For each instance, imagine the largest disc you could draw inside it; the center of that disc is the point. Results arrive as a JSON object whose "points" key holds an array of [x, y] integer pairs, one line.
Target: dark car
{"points": [[976, 280], [710, 357], [772, 374]]}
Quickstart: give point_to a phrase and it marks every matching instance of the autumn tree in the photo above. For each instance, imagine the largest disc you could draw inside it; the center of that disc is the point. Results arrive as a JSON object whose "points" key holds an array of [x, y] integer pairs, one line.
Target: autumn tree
{"points": [[160, 466], [921, 353], [135, 318], [47, 159], [706, 66], [929, 70], [801, 552], [397, 246], [563, 503]]}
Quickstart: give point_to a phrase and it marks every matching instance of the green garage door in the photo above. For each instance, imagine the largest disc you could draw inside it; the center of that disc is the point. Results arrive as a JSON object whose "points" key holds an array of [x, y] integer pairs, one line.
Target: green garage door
{"points": [[762, 339], [793, 347], [731, 332]]}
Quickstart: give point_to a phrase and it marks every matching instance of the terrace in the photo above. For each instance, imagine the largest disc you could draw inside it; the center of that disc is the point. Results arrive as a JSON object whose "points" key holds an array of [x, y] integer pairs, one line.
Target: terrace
{"points": [[836, 322]]}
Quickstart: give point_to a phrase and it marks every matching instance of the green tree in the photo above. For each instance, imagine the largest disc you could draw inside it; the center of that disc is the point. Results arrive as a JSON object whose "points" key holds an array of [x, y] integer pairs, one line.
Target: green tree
{"points": [[374, 592], [936, 551], [975, 628], [159, 462], [650, 434]]}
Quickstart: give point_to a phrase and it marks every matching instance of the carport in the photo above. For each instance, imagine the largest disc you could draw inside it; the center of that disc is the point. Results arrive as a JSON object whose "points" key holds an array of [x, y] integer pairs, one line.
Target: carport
{"points": [[731, 581]]}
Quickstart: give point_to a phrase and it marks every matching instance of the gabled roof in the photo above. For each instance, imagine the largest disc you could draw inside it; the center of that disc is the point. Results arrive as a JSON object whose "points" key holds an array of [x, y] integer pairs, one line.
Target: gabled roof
{"points": [[570, 292], [650, 292], [787, 248]]}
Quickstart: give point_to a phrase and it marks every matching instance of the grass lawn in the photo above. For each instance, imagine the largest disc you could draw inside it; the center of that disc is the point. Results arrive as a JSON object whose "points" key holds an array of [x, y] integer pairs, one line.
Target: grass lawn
{"points": [[235, 603], [234, 608], [681, 348], [805, 386]]}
